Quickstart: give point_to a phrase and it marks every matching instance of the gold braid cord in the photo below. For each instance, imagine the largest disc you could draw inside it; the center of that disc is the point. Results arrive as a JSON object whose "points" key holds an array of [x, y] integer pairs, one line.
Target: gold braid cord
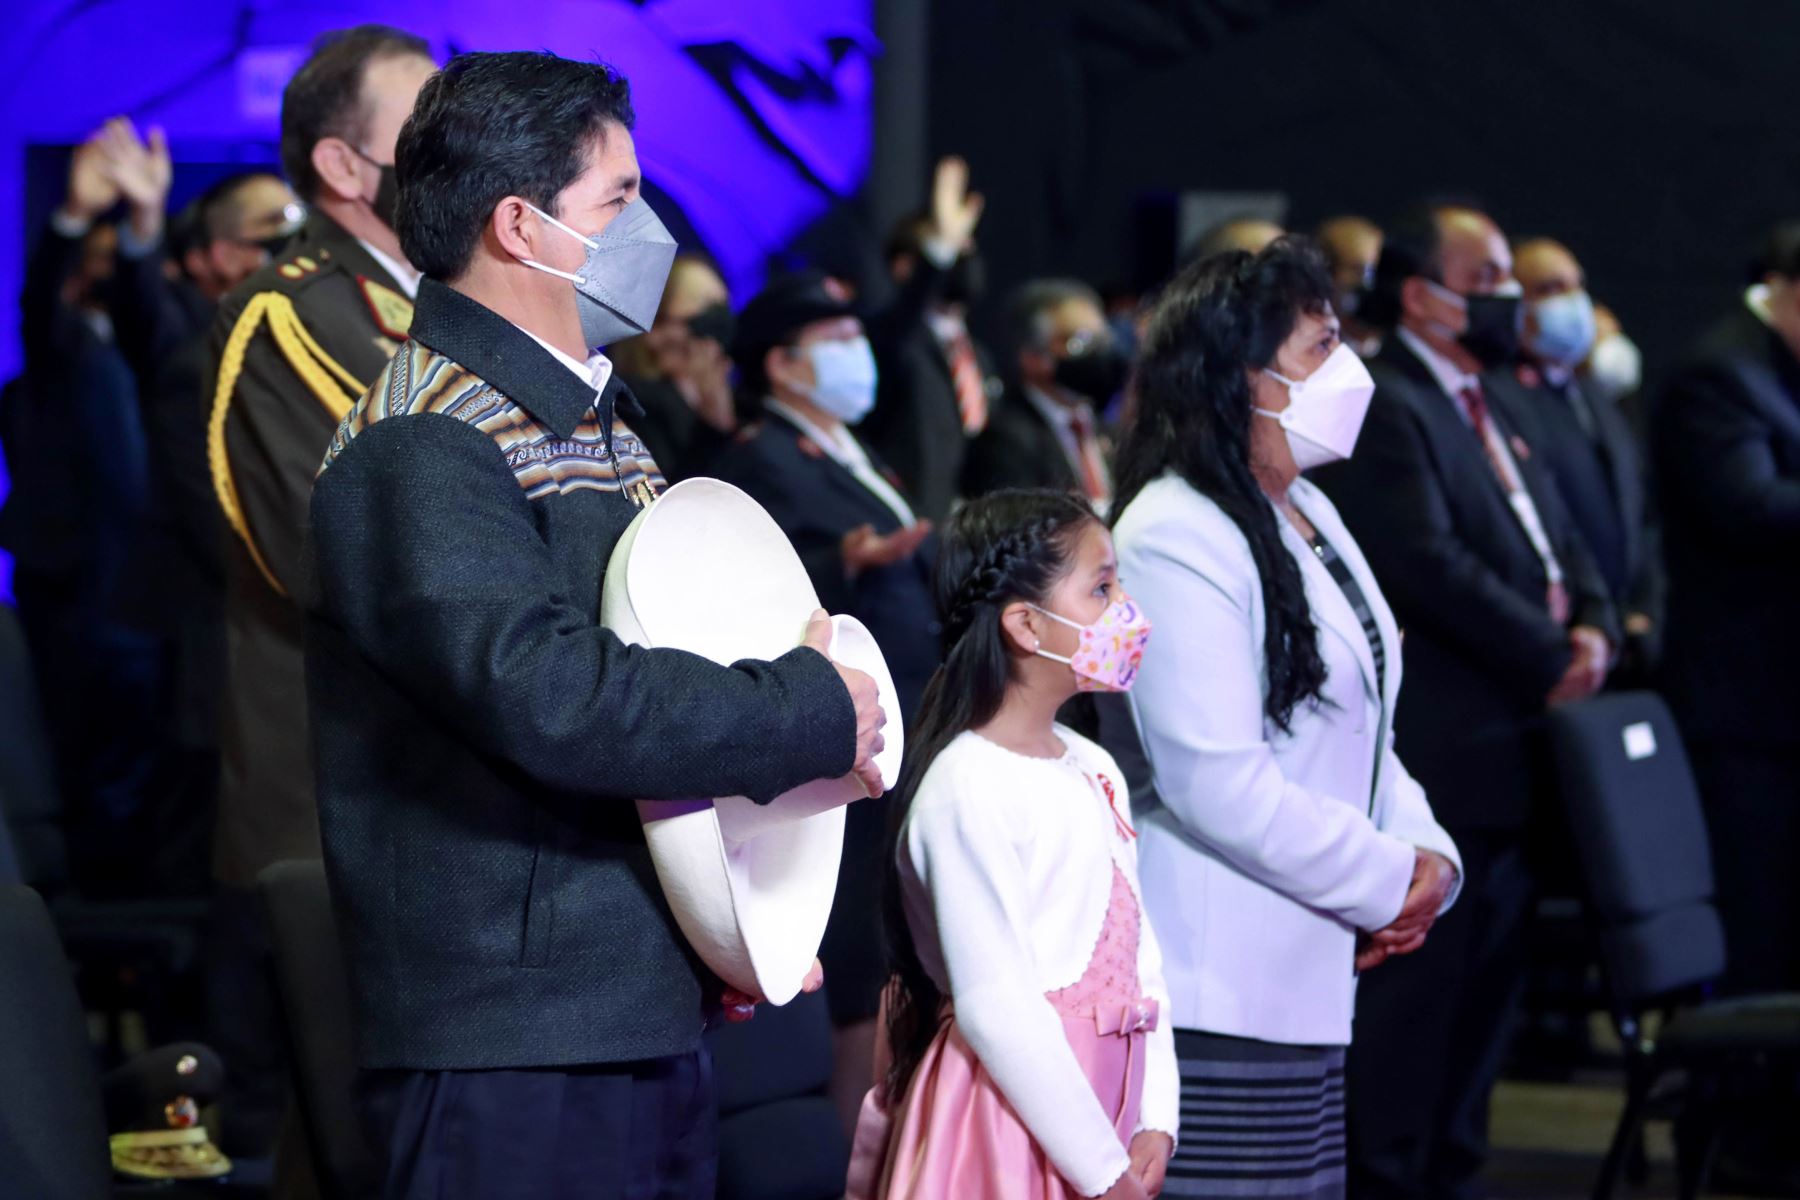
{"points": [[318, 370]]}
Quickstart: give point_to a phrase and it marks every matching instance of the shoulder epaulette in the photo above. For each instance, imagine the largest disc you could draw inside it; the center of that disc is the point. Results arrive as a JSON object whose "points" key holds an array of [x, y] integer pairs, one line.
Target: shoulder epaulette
{"points": [[334, 387]]}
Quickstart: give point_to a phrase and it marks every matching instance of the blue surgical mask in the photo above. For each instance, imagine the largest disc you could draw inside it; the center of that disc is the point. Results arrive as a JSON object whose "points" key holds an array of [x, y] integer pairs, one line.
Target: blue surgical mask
{"points": [[843, 377], [1565, 328]]}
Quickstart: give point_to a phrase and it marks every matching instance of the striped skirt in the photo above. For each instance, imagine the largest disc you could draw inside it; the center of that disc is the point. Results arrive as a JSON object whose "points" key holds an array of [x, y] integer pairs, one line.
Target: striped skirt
{"points": [[1258, 1119]]}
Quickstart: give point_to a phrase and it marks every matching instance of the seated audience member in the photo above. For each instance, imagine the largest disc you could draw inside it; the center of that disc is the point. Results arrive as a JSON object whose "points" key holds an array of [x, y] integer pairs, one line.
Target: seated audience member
{"points": [[1588, 445], [936, 380], [807, 370], [680, 371], [1727, 453], [1287, 847], [1352, 245], [1505, 614], [1046, 430]]}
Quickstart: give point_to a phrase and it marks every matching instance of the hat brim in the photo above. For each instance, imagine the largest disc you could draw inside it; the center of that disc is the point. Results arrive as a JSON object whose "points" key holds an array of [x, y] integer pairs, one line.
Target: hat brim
{"points": [[750, 885]]}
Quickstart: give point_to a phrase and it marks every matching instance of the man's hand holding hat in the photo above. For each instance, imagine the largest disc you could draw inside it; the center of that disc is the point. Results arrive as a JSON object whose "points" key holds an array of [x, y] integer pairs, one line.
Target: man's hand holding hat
{"points": [[866, 698]]}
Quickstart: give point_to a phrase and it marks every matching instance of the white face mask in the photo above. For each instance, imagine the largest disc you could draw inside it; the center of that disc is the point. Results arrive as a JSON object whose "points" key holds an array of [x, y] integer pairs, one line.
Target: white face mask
{"points": [[1616, 368], [843, 377], [1326, 409]]}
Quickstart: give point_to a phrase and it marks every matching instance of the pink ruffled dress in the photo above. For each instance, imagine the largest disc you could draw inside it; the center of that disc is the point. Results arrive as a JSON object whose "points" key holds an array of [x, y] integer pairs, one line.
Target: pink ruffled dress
{"points": [[957, 1138]]}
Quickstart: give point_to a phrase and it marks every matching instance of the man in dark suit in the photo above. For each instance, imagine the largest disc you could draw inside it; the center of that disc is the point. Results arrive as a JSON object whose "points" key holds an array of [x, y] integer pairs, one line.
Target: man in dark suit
{"points": [[292, 348], [1588, 447], [1504, 614], [527, 1010], [804, 362], [1726, 439], [169, 280], [1046, 431], [75, 451], [937, 381]]}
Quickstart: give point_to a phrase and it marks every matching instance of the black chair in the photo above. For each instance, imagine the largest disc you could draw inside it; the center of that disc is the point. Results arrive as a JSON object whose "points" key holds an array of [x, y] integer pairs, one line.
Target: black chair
{"points": [[315, 1004], [780, 1137], [138, 955], [1640, 834], [53, 1142]]}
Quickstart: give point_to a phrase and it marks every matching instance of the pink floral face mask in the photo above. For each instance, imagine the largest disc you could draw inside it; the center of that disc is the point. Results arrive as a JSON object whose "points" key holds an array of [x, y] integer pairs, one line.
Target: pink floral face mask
{"points": [[1107, 657]]}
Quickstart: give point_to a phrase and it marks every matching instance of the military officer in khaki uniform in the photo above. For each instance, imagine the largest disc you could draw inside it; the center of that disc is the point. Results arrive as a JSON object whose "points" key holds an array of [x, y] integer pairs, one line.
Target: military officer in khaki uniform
{"points": [[293, 348]]}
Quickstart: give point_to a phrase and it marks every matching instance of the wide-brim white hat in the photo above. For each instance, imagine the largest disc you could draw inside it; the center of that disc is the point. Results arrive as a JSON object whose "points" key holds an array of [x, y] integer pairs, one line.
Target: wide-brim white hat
{"points": [[706, 569]]}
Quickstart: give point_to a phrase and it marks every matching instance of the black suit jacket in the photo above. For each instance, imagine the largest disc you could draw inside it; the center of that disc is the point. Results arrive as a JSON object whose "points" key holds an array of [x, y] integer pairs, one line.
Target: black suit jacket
{"points": [[1602, 478], [73, 439], [1018, 449], [1482, 651], [917, 422], [816, 502], [1726, 440]]}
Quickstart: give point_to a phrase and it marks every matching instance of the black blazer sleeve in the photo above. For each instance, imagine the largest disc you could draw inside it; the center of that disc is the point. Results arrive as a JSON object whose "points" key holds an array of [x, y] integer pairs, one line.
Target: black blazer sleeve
{"points": [[1720, 459], [1392, 498], [49, 326], [429, 559], [771, 482], [147, 316]]}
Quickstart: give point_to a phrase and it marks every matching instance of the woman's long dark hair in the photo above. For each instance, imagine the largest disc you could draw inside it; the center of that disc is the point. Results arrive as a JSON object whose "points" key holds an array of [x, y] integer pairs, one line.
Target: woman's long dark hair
{"points": [[1011, 545], [1217, 318]]}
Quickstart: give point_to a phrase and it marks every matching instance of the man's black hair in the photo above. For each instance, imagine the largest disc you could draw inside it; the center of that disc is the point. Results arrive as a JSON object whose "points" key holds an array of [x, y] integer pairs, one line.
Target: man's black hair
{"points": [[1410, 246], [325, 96], [489, 126]]}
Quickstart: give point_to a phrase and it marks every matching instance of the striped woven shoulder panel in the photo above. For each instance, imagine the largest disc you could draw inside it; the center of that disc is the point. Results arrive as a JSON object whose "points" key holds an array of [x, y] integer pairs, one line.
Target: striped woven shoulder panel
{"points": [[421, 380], [418, 379]]}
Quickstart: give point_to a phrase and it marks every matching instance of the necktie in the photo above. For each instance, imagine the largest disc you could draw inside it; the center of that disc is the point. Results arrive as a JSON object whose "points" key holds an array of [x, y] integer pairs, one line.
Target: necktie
{"points": [[1474, 404], [965, 377], [1093, 469]]}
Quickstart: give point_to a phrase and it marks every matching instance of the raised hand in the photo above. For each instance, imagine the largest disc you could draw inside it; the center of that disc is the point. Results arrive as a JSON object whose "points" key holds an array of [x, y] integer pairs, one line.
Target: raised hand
{"points": [[140, 169], [91, 189], [955, 210]]}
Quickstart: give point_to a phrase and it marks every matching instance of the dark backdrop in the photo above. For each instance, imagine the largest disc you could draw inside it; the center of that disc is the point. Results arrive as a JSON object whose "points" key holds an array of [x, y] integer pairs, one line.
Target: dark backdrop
{"points": [[1657, 138]]}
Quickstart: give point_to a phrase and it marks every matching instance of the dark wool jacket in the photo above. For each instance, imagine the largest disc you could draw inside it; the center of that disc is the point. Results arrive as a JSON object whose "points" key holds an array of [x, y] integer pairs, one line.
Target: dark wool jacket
{"points": [[479, 737]]}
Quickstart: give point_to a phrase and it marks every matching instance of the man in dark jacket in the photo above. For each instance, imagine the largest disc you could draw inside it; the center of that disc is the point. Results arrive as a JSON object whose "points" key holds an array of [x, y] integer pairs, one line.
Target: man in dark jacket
{"points": [[804, 363], [1586, 443], [1726, 436], [527, 1010], [937, 382], [1505, 614]]}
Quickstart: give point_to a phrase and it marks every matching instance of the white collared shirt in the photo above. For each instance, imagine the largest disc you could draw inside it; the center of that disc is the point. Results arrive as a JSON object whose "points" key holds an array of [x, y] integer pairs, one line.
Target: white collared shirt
{"points": [[849, 454], [1455, 381], [403, 272], [596, 371]]}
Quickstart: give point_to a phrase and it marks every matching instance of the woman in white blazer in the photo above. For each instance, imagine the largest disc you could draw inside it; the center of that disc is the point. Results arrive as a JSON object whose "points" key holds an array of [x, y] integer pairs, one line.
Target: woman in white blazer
{"points": [[1287, 847]]}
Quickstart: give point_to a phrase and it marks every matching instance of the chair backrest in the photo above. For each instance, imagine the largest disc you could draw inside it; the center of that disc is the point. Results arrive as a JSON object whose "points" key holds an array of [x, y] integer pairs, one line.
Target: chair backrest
{"points": [[53, 1143], [780, 1137], [29, 801], [315, 1004], [1640, 834]]}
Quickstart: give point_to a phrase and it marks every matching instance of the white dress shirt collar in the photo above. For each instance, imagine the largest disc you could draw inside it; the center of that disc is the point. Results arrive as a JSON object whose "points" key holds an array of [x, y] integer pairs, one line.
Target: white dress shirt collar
{"points": [[403, 272], [849, 454], [1452, 378], [596, 371]]}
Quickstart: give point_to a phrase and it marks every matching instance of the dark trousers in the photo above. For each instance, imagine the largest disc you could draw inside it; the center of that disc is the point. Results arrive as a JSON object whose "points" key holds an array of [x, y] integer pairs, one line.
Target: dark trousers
{"points": [[243, 1022], [1752, 799], [623, 1131], [1431, 1034]]}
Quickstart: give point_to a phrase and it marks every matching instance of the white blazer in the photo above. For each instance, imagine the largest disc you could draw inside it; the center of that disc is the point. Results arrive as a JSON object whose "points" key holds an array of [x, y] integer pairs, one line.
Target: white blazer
{"points": [[1266, 851]]}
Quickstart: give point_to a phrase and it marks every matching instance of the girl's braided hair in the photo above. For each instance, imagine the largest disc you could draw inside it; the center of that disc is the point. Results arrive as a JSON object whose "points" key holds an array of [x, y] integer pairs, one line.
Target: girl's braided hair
{"points": [[1007, 546]]}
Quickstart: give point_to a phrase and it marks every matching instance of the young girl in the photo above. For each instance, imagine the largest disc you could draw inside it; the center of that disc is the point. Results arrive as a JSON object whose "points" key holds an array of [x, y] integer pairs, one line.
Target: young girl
{"points": [[1029, 1059]]}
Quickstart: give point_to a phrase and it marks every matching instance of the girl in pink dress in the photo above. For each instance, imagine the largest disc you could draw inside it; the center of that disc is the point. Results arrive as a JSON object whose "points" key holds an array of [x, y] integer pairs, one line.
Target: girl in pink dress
{"points": [[1026, 1056]]}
